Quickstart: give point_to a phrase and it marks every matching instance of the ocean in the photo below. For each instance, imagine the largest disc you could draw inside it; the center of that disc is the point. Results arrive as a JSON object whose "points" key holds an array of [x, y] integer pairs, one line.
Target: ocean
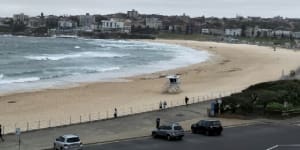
{"points": [[34, 63]]}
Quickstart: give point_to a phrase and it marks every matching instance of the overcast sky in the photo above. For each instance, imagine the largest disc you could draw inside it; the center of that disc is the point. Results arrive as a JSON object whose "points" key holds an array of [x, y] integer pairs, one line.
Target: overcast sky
{"points": [[218, 8]]}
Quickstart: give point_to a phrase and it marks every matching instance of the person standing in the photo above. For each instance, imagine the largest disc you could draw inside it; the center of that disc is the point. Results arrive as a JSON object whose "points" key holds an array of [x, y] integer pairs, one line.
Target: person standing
{"points": [[116, 113], [1, 137], [165, 104], [186, 101], [160, 105], [157, 123]]}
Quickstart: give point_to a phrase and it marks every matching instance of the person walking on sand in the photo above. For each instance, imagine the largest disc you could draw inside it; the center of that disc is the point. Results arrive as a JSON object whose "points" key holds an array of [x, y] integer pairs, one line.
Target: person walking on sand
{"points": [[186, 101], [160, 105], [157, 123], [116, 113], [1, 137], [165, 104]]}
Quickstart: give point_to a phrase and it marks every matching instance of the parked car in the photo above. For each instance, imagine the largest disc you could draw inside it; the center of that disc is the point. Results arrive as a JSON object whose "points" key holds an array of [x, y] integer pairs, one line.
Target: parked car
{"points": [[68, 142], [172, 131], [207, 127]]}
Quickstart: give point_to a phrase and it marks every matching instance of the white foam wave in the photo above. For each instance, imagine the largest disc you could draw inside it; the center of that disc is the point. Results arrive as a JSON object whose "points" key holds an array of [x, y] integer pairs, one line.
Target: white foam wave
{"points": [[1, 76], [21, 80], [75, 55]]}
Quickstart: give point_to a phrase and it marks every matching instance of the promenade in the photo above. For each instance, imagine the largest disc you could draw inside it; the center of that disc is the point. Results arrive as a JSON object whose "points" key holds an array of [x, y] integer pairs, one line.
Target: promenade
{"points": [[116, 129]]}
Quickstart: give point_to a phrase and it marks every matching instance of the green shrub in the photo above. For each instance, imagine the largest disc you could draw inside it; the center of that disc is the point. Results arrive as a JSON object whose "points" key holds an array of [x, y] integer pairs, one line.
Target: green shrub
{"points": [[275, 107]]}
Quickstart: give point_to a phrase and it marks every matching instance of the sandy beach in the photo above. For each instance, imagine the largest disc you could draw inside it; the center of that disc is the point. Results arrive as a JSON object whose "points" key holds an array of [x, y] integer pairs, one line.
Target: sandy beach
{"points": [[232, 67]]}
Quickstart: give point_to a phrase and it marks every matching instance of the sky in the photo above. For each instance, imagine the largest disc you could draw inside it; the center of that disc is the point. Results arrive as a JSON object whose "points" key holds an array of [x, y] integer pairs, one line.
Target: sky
{"points": [[193, 8]]}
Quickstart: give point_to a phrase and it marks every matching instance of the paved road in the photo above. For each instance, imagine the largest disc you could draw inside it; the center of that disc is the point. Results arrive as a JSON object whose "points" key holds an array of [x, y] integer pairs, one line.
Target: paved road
{"points": [[254, 137]]}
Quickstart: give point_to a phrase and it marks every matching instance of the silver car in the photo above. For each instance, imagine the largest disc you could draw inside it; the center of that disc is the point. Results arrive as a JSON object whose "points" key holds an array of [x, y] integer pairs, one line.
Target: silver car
{"points": [[172, 131], [68, 142]]}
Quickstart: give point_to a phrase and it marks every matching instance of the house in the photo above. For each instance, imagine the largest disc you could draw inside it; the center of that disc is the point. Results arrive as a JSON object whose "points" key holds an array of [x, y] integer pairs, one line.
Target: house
{"points": [[112, 26], [86, 22], [133, 14], [154, 23], [20, 19], [262, 32], [213, 31], [296, 35], [35, 22], [282, 34], [233, 32], [66, 26]]}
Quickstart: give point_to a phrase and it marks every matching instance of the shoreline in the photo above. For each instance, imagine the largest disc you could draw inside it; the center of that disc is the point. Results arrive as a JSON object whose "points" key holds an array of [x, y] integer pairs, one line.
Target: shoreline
{"points": [[231, 67]]}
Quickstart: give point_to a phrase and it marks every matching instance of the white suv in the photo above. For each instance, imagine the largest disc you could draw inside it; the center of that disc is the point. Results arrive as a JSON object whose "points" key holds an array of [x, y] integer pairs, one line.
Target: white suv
{"points": [[68, 142]]}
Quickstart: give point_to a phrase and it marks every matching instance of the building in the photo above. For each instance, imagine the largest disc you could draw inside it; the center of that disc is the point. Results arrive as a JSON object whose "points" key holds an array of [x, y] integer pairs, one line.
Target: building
{"points": [[282, 34], [133, 14], [233, 32], [35, 22], [20, 19], [262, 32], [296, 35], [86, 22], [112, 26], [154, 23]]}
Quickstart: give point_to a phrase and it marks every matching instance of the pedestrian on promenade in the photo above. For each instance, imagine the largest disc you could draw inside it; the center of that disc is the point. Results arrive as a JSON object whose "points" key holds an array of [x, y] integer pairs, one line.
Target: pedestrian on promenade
{"points": [[186, 101], [116, 113], [165, 104], [1, 137], [157, 123], [160, 105]]}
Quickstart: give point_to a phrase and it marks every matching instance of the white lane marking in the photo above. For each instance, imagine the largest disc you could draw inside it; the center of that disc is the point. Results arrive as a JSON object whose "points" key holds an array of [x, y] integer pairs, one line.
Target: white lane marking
{"points": [[273, 147]]}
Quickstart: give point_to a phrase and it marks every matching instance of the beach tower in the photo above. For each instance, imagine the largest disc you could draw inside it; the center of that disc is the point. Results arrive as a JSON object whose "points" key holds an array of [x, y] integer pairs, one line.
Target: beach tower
{"points": [[173, 84]]}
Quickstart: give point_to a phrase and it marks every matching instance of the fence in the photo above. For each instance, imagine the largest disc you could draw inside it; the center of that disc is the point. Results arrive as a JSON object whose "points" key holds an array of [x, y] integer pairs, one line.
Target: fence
{"points": [[109, 114]]}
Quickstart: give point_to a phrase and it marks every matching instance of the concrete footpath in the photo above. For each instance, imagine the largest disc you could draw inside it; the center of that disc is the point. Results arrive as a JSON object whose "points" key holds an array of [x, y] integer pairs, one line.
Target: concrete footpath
{"points": [[116, 129]]}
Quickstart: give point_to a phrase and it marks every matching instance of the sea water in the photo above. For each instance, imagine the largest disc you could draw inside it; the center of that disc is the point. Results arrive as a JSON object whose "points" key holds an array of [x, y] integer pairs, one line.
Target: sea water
{"points": [[33, 63]]}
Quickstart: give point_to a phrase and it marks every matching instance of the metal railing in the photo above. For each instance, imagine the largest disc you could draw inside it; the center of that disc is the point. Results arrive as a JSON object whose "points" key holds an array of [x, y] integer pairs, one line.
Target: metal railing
{"points": [[26, 126]]}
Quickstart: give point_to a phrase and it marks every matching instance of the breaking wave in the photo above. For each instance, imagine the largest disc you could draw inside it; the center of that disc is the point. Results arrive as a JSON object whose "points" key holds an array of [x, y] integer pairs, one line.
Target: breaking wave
{"points": [[75, 55], [21, 80]]}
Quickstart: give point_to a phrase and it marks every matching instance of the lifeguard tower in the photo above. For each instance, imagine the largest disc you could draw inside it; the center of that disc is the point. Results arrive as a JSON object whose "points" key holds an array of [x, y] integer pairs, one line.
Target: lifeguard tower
{"points": [[173, 84]]}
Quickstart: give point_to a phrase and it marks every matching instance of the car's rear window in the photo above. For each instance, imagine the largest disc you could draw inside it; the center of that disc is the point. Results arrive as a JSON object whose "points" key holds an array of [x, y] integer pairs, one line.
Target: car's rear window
{"points": [[216, 123], [72, 140], [177, 128]]}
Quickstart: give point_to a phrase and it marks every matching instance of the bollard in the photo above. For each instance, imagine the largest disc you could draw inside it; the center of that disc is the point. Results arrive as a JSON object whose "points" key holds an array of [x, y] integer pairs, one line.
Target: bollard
{"points": [[70, 120]]}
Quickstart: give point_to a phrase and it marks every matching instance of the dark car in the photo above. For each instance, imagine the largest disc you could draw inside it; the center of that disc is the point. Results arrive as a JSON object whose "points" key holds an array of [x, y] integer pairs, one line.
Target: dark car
{"points": [[207, 127], [172, 131]]}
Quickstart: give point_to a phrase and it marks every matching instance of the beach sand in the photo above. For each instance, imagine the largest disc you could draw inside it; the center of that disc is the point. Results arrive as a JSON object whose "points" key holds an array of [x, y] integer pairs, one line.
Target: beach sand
{"points": [[232, 67]]}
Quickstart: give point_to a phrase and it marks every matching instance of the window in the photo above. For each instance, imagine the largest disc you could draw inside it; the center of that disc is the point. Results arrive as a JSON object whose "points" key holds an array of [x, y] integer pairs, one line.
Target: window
{"points": [[177, 128], [72, 140]]}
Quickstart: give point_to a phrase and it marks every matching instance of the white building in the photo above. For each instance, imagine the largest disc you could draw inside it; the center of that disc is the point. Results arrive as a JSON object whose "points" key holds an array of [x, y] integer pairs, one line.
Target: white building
{"points": [[86, 22], [205, 31], [233, 32], [20, 19], [154, 23], [112, 26], [296, 35], [281, 33], [66, 24]]}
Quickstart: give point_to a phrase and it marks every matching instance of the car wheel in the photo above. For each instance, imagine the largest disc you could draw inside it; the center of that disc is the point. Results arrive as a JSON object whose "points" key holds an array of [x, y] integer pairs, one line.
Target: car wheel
{"points": [[180, 138], [154, 135], [169, 138], [193, 131], [207, 133]]}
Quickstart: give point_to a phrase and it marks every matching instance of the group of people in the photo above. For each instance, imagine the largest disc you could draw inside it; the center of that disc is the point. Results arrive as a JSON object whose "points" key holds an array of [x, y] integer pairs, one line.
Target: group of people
{"points": [[162, 105]]}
